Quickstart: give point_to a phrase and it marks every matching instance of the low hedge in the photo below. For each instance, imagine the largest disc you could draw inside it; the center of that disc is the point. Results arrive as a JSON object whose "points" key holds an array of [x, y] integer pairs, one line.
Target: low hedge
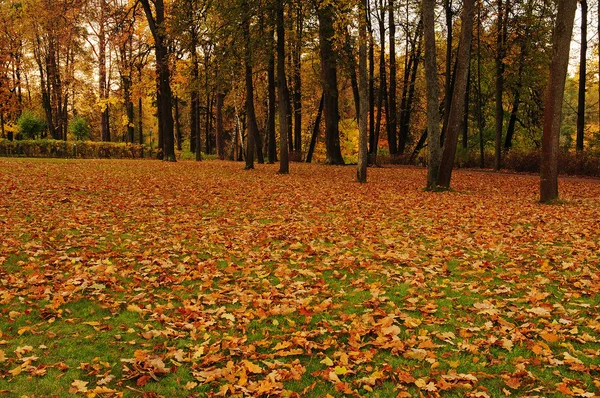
{"points": [[72, 149]]}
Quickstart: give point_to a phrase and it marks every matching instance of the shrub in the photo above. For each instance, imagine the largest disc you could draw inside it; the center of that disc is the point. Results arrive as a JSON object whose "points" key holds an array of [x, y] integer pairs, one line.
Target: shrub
{"points": [[80, 149], [80, 128], [31, 125]]}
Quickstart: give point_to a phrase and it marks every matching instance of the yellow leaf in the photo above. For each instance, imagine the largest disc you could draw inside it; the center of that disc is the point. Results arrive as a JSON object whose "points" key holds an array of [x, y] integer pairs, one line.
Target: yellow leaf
{"points": [[252, 367], [340, 370], [549, 337], [327, 361]]}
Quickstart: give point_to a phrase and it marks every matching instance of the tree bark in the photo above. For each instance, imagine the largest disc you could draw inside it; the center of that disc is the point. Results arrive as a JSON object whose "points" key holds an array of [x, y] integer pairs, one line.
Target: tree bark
{"points": [[298, 78], [165, 113], [500, 44], [458, 96], [392, 121], [284, 95], [250, 112], [325, 14], [582, 77], [363, 83], [271, 88], [372, 144], [561, 42], [433, 93]]}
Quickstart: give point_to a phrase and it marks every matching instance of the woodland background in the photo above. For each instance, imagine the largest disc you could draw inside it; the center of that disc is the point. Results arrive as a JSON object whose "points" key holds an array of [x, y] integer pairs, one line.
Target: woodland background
{"points": [[88, 69]]}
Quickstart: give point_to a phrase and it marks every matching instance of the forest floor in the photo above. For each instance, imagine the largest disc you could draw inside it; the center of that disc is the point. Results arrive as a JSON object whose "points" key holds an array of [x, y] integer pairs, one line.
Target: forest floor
{"points": [[144, 278]]}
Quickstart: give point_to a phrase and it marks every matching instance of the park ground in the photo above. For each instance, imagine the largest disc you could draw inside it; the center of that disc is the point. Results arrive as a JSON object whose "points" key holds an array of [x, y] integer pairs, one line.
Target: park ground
{"points": [[145, 278]]}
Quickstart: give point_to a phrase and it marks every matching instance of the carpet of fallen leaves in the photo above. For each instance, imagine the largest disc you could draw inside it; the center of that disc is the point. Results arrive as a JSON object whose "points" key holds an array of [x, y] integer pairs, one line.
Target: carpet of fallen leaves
{"points": [[142, 278]]}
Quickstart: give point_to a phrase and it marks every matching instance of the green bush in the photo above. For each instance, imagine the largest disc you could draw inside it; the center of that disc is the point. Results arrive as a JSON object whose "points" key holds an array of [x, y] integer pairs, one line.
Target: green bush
{"points": [[31, 125], [79, 149], [80, 128]]}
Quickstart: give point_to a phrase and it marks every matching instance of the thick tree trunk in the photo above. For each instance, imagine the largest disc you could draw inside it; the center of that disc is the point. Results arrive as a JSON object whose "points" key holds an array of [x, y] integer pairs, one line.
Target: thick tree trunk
{"points": [[582, 77], [433, 93], [165, 112], [561, 42], [458, 95], [284, 162], [363, 83], [328, 57]]}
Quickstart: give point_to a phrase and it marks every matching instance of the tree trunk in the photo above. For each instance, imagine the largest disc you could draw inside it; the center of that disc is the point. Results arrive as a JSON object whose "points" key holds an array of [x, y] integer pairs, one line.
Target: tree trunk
{"points": [[392, 121], [104, 117], [448, 82], [177, 124], [271, 87], [194, 95], [433, 93], [298, 79], [363, 83], [164, 97], [284, 162], [219, 126], [510, 130], [458, 96], [250, 112], [372, 144], [409, 90], [325, 14], [499, 86], [561, 42], [582, 77], [315, 132]]}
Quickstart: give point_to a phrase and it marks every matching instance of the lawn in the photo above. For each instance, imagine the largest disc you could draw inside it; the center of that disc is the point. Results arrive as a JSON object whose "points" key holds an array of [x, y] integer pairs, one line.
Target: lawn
{"points": [[144, 278]]}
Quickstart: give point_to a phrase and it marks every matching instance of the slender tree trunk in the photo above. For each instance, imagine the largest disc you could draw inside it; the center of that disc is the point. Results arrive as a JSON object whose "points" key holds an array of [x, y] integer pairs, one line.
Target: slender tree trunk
{"points": [[363, 83], [325, 14], [371, 84], [433, 94], [351, 66], [561, 42], [194, 96], [284, 162], [510, 130], [448, 82], [393, 123], [104, 118], [298, 79], [582, 77], [499, 86], [250, 112], [219, 126], [177, 124], [458, 100], [411, 84], [315, 132], [480, 121], [271, 87]]}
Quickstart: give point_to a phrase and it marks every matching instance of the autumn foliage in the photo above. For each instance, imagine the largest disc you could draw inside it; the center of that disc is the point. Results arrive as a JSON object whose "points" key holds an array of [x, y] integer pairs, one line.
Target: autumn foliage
{"points": [[122, 278]]}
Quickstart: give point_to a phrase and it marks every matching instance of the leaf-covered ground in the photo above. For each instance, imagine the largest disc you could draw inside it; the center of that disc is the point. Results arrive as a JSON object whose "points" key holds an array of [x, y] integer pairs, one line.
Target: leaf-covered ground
{"points": [[144, 278]]}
